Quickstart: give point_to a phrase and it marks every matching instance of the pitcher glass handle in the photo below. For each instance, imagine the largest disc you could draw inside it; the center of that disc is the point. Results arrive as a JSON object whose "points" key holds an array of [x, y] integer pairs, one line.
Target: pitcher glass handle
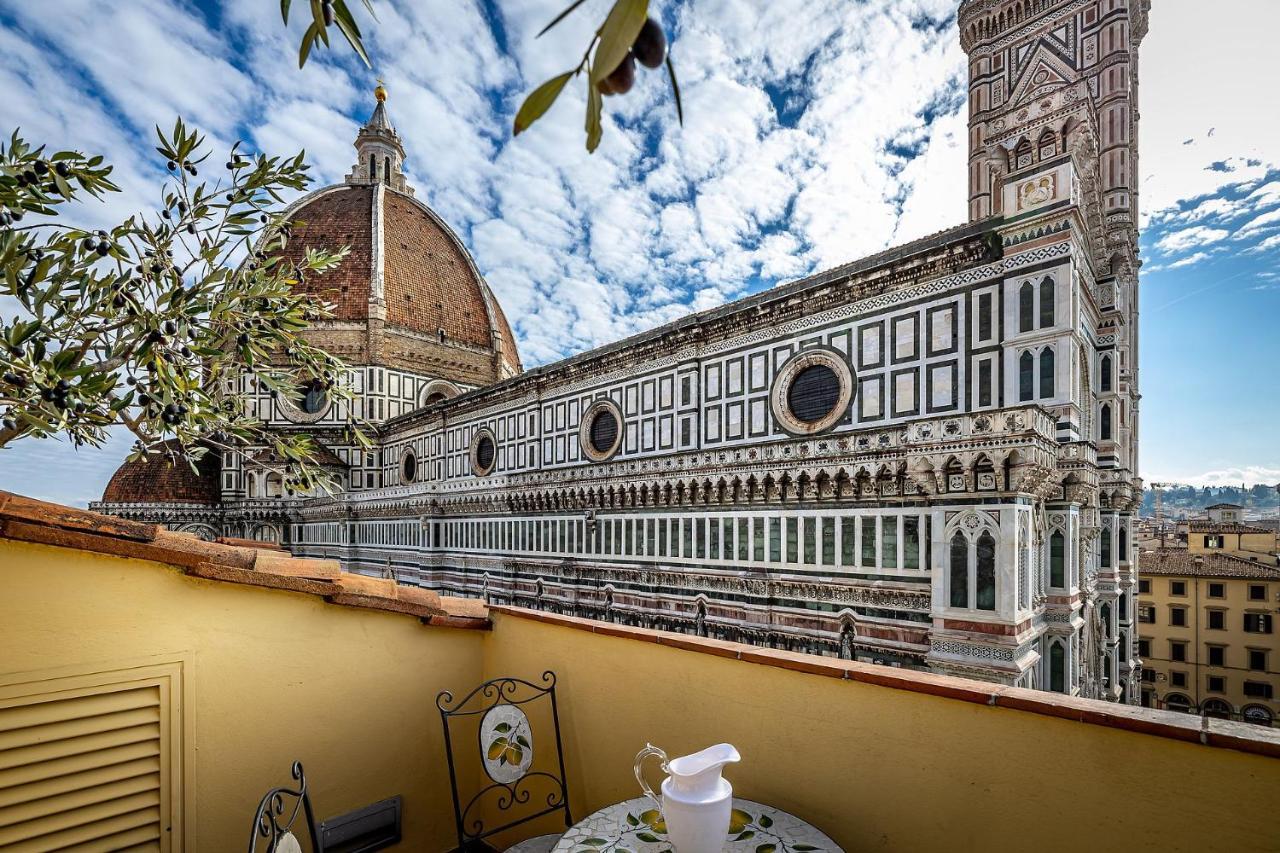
{"points": [[649, 750]]}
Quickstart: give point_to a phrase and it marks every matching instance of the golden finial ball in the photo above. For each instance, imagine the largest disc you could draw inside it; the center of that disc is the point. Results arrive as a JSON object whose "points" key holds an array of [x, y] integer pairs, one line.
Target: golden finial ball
{"points": [[380, 92]]}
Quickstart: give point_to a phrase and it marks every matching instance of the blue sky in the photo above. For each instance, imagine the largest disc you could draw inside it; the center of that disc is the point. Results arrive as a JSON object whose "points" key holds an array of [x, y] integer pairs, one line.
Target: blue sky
{"points": [[817, 131]]}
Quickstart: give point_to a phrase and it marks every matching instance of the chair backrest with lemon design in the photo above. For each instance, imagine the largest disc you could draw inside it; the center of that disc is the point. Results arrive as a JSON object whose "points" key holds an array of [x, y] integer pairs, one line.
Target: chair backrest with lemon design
{"points": [[523, 780]]}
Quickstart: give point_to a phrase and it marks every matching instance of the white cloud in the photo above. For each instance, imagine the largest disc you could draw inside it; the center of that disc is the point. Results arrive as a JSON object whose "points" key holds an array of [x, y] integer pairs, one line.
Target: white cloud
{"points": [[1189, 260], [1189, 238], [1221, 103], [1262, 222], [1272, 242]]}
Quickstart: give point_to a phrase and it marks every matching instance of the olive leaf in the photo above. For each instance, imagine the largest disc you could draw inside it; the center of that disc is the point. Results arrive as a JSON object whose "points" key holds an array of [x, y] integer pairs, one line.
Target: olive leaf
{"points": [[138, 326], [539, 101], [558, 18], [766, 848], [595, 842], [319, 29], [633, 820], [502, 728], [765, 821], [675, 90], [648, 836], [594, 127], [617, 34]]}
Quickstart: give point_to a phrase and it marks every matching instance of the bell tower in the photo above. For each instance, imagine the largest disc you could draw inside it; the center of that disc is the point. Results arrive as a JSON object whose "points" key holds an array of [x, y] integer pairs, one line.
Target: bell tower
{"points": [[1053, 156], [1055, 77], [379, 154]]}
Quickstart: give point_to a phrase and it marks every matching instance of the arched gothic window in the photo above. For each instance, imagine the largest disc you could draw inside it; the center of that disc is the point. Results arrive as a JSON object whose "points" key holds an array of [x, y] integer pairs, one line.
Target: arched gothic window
{"points": [[1123, 544], [1026, 377], [1104, 381], [1046, 373], [373, 167], [1104, 421], [986, 572], [1057, 668], [1058, 560], [972, 571], [1046, 302], [1026, 307], [959, 570], [1106, 547], [386, 169]]}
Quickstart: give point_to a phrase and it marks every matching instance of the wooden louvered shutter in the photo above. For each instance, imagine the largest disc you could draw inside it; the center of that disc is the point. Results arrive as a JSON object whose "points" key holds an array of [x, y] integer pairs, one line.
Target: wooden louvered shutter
{"points": [[90, 765]]}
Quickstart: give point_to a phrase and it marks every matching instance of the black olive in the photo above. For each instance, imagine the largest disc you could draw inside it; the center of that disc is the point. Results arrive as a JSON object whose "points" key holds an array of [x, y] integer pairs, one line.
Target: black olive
{"points": [[650, 47], [171, 165], [41, 168], [622, 78], [62, 169]]}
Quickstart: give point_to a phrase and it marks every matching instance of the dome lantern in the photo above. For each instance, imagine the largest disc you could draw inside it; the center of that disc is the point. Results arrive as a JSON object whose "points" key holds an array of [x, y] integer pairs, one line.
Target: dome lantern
{"points": [[379, 154]]}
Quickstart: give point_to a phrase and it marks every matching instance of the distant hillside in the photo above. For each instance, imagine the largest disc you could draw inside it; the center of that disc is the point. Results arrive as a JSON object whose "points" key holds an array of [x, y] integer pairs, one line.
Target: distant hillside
{"points": [[1183, 501]]}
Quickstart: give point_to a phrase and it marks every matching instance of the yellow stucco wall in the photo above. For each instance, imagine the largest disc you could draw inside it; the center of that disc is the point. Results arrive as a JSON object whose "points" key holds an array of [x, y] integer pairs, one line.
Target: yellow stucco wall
{"points": [[885, 769], [1198, 637], [268, 676], [1241, 544]]}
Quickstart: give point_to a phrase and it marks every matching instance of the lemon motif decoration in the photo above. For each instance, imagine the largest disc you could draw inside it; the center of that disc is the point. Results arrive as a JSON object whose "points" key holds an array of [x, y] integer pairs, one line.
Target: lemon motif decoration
{"points": [[507, 742]]}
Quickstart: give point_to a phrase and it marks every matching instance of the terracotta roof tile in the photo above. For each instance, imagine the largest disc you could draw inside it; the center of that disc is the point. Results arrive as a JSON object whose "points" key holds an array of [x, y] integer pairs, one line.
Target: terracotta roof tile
{"points": [[341, 217], [28, 520], [430, 283], [159, 479], [1224, 527], [1168, 561]]}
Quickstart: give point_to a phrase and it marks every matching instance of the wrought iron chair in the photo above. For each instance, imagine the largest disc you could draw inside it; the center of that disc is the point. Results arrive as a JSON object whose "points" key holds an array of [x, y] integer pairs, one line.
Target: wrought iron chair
{"points": [[495, 717], [278, 833]]}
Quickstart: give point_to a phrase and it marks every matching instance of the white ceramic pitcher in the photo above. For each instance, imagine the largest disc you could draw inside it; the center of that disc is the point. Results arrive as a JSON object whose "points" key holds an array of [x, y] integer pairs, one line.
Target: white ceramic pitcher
{"points": [[696, 800]]}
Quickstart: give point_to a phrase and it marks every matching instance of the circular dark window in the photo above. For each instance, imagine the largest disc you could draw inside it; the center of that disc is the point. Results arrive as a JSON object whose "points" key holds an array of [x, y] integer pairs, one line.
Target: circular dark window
{"points": [[604, 432], [313, 397], [814, 393], [484, 453], [409, 468]]}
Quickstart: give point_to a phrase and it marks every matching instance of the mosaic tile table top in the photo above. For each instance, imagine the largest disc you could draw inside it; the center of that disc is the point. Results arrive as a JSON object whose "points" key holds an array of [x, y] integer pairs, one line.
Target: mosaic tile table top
{"points": [[635, 826]]}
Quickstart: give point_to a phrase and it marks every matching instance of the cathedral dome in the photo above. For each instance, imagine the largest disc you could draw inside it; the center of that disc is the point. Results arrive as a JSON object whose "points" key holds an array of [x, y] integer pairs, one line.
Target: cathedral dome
{"points": [[408, 282], [159, 480]]}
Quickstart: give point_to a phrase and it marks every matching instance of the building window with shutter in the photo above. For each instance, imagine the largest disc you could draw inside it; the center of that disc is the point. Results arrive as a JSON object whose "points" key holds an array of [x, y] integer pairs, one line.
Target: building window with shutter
{"points": [[1257, 623]]}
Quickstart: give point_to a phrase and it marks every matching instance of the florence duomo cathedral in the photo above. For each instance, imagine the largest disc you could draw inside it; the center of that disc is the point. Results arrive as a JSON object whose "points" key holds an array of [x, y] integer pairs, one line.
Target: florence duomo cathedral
{"points": [[924, 458]]}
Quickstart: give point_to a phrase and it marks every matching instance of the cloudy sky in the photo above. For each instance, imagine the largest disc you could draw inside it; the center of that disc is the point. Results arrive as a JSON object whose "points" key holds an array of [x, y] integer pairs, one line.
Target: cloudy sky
{"points": [[817, 131]]}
